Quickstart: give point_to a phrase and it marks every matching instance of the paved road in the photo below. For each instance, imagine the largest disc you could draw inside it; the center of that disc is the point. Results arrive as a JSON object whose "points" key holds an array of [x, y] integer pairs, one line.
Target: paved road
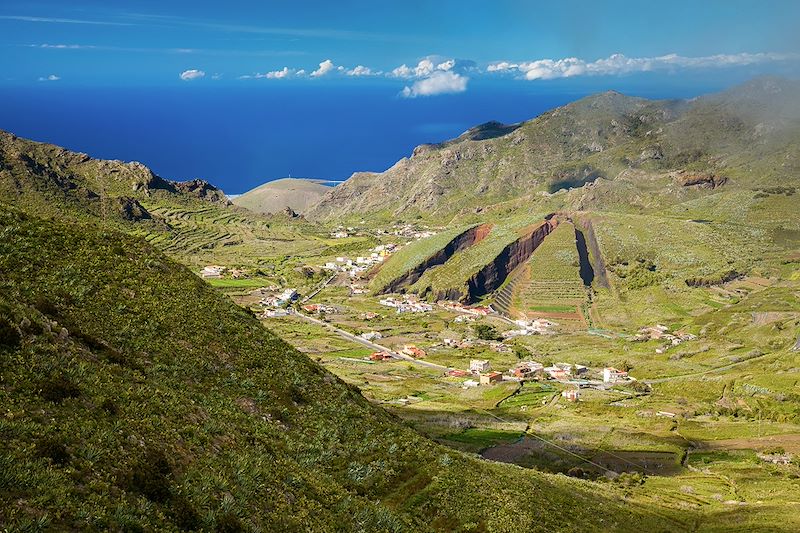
{"points": [[369, 344], [318, 289]]}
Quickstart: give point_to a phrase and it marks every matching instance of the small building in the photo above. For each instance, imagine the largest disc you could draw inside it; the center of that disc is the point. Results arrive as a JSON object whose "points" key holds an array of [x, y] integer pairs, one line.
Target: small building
{"points": [[212, 272], [491, 378], [571, 395], [612, 375], [371, 335], [470, 383], [454, 373], [557, 373], [413, 351], [380, 356], [479, 366]]}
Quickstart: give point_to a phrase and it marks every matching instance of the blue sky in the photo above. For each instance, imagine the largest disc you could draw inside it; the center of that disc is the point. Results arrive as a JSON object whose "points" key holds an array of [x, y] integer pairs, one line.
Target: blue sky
{"points": [[243, 92], [154, 42]]}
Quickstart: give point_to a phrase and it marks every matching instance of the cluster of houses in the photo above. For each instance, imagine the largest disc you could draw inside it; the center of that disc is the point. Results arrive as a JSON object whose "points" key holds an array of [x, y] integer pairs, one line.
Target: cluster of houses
{"points": [[538, 326], [411, 232], [342, 232], [217, 272], [360, 264], [406, 304], [461, 308], [280, 300], [659, 332], [566, 373], [319, 309]]}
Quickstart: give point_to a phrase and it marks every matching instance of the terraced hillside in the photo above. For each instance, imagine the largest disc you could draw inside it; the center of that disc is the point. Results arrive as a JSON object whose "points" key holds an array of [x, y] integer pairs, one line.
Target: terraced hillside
{"points": [[407, 265], [204, 233], [178, 410], [192, 221], [551, 280], [479, 269]]}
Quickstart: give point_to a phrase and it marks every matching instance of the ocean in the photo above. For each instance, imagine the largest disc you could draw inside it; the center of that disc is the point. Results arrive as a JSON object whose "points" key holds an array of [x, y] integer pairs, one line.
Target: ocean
{"points": [[238, 137]]}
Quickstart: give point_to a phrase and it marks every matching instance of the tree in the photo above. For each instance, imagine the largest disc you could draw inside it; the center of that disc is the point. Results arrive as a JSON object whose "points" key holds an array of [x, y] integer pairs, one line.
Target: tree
{"points": [[486, 332], [522, 352]]}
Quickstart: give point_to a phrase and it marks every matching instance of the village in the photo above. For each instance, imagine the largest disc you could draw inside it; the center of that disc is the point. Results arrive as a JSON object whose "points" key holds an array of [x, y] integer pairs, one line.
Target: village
{"points": [[474, 346]]}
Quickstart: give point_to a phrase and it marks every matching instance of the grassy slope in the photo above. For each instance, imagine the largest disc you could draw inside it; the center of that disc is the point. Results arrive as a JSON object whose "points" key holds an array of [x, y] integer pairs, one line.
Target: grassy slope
{"points": [[553, 279], [412, 255], [154, 403], [459, 268], [274, 196]]}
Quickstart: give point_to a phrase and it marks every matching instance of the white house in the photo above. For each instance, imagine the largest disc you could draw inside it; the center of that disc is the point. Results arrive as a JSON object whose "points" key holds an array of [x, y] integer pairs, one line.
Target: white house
{"points": [[612, 375], [479, 366]]}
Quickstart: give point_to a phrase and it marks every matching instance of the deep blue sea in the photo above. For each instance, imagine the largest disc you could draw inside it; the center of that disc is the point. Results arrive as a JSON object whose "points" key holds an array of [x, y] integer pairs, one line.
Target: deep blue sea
{"points": [[238, 137]]}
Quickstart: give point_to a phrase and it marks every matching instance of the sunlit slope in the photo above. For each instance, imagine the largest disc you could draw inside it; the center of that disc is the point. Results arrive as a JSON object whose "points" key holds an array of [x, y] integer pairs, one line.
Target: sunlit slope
{"points": [[136, 397]]}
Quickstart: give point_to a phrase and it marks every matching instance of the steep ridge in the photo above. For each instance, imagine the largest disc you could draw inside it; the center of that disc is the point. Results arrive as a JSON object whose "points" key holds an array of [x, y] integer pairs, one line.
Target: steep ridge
{"points": [[492, 270], [54, 182], [137, 398], [748, 132], [464, 240], [494, 274]]}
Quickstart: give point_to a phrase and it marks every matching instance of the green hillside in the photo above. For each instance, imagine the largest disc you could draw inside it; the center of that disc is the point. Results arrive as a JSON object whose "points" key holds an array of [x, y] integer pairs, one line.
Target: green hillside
{"points": [[137, 398], [648, 153]]}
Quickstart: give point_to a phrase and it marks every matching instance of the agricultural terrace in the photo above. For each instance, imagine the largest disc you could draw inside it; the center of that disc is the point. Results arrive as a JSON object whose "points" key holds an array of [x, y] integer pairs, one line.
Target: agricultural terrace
{"points": [[412, 255], [459, 268], [202, 233], [550, 282]]}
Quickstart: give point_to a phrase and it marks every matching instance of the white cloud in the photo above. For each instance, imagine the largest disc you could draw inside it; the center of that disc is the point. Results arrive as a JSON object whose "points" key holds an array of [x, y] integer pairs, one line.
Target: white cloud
{"points": [[424, 68], [617, 64], [192, 74], [279, 74], [63, 46], [360, 70], [439, 82], [51, 77], [324, 68], [446, 65], [501, 66]]}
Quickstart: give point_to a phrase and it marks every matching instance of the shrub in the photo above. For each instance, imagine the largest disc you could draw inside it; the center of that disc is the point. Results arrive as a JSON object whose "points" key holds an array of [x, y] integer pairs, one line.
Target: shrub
{"points": [[229, 523], [9, 335], [52, 448], [56, 389], [184, 514], [487, 332], [150, 476], [109, 406]]}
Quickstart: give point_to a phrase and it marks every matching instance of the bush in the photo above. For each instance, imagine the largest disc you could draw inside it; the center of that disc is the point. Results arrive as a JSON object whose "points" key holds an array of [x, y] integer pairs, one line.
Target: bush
{"points": [[150, 476], [56, 389], [486, 332], [53, 449], [229, 523], [9, 335]]}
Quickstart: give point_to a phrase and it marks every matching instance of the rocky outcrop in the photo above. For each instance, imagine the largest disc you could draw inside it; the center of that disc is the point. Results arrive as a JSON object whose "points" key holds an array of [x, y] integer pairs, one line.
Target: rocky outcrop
{"points": [[201, 189], [130, 209], [700, 180], [460, 242], [494, 273]]}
